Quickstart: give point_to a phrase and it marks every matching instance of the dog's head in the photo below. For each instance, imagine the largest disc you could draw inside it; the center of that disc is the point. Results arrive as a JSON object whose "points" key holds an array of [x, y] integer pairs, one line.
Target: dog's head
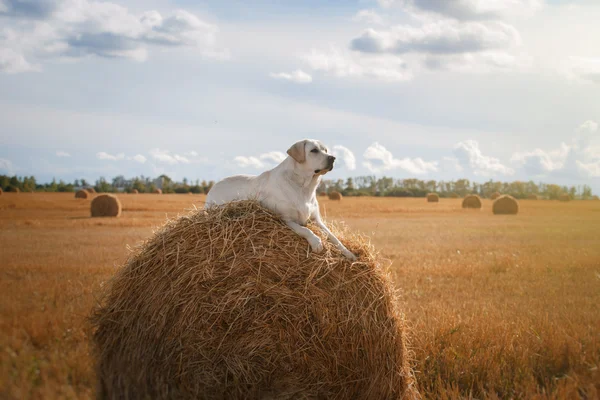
{"points": [[312, 157]]}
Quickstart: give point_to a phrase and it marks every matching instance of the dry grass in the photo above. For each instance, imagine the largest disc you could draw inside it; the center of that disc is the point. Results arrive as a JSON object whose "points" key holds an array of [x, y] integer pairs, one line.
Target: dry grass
{"points": [[472, 201], [505, 205], [433, 198], [495, 195], [500, 306], [333, 195], [82, 194], [254, 313], [106, 205]]}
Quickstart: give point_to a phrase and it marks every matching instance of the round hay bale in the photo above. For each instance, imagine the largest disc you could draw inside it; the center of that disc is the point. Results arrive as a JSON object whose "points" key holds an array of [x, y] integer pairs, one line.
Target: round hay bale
{"points": [[13, 189], [505, 205], [433, 198], [594, 197], [333, 195], [471, 201], [322, 194], [495, 195], [91, 190], [1, 191], [106, 205], [564, 197], [81, 194], [453, 196], [533, 197], [229, 303], [157, 191], [135, 191]]}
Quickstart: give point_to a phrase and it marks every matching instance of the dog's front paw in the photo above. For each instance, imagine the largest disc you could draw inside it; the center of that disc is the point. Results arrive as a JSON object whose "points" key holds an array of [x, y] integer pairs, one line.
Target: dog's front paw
{"points": [[349, 255], [316, 245]]}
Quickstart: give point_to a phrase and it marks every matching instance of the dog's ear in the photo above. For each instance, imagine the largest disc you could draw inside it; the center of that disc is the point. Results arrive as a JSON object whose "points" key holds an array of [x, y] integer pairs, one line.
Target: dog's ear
{"points": [[297, 151]]}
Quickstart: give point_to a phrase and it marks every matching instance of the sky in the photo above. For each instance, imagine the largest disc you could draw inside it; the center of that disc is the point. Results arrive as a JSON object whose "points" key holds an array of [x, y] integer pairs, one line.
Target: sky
{"points": [[479, 89]]}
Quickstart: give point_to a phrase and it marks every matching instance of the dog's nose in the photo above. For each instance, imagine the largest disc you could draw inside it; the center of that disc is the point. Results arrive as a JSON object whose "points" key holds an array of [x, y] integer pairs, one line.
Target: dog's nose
{"points": [[331, 158]]}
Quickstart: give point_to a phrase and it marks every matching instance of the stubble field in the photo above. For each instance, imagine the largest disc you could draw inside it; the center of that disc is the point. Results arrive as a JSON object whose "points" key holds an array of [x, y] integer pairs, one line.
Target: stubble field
{"points": [[499, 306]]}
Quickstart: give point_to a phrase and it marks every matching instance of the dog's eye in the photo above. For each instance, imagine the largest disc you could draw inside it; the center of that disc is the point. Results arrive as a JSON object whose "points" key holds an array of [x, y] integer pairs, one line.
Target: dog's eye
{"points": [[314, 151]]}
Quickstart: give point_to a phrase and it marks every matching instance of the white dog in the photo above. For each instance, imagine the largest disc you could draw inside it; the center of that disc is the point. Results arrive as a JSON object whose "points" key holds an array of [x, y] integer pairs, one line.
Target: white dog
{"points": [[289, 189]]}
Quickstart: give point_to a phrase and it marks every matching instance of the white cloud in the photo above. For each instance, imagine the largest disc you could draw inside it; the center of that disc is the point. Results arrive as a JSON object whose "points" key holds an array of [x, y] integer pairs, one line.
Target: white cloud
{"points": [[13, 62], [469, 156], [192, 153], [273, 156], [346, 155], [297, 76], [105, 156], [591, 169], [440, 37], [580, 157], [380, 159], [538, 161], [368, 16], [469, 9], [6, 166], [343, 64], [139, 158], [73, 29], [582, 69], [61, 153], [166, 157], [263, 161]]}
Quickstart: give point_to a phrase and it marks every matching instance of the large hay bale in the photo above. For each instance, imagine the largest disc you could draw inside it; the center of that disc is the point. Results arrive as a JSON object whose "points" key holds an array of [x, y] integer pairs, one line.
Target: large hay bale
{"points": [[433, 198], [91, 190], [1, 191], [471, 201], [564, 197], [453, 196], [333, 195], [505, 205], [533, 197], [135, 191], [12, 189], [157, 191], [594, 197], [322, 194], [106, 205], [81, 194], [495, 195], [230, 303]]}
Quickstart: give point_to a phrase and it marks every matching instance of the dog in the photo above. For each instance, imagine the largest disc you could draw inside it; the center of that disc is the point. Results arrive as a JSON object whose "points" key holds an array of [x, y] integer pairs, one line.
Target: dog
{"points": [[289, 190]]}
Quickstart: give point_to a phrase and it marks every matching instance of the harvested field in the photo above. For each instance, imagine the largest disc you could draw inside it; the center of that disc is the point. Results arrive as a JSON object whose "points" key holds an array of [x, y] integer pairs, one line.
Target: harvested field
{"points": [[498, 306]]}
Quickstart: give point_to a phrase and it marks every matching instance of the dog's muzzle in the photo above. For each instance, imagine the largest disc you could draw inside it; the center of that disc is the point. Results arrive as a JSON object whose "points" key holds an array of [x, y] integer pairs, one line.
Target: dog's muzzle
{"points": [[330, 161]]}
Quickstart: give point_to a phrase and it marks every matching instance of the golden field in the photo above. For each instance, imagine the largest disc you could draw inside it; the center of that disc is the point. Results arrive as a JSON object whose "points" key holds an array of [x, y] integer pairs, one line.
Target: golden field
{"points": [[499, 306]]}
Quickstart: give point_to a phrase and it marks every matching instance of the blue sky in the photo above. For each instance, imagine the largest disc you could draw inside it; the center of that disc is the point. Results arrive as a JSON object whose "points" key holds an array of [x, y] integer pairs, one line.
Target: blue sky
{"points": [[480, 89]]}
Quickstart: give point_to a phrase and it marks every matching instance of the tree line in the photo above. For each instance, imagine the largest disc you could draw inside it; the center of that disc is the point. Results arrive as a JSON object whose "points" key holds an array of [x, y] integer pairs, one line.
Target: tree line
{"points": [[357, 186]]}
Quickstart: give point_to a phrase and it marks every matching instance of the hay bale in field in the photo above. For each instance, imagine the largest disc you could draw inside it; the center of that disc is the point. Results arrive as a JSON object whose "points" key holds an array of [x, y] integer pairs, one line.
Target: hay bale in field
{"points": [[533, 197], [106, 205], [230, 303], [433, 198], [495, 195], [505, 204], [135, 191], [322, 194], [81, 194], [453, 195], [12, 189], [564, 197], [91, 190], [333, 195], [471, 201], [157, 191], [1, 191], [595, 197]]}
